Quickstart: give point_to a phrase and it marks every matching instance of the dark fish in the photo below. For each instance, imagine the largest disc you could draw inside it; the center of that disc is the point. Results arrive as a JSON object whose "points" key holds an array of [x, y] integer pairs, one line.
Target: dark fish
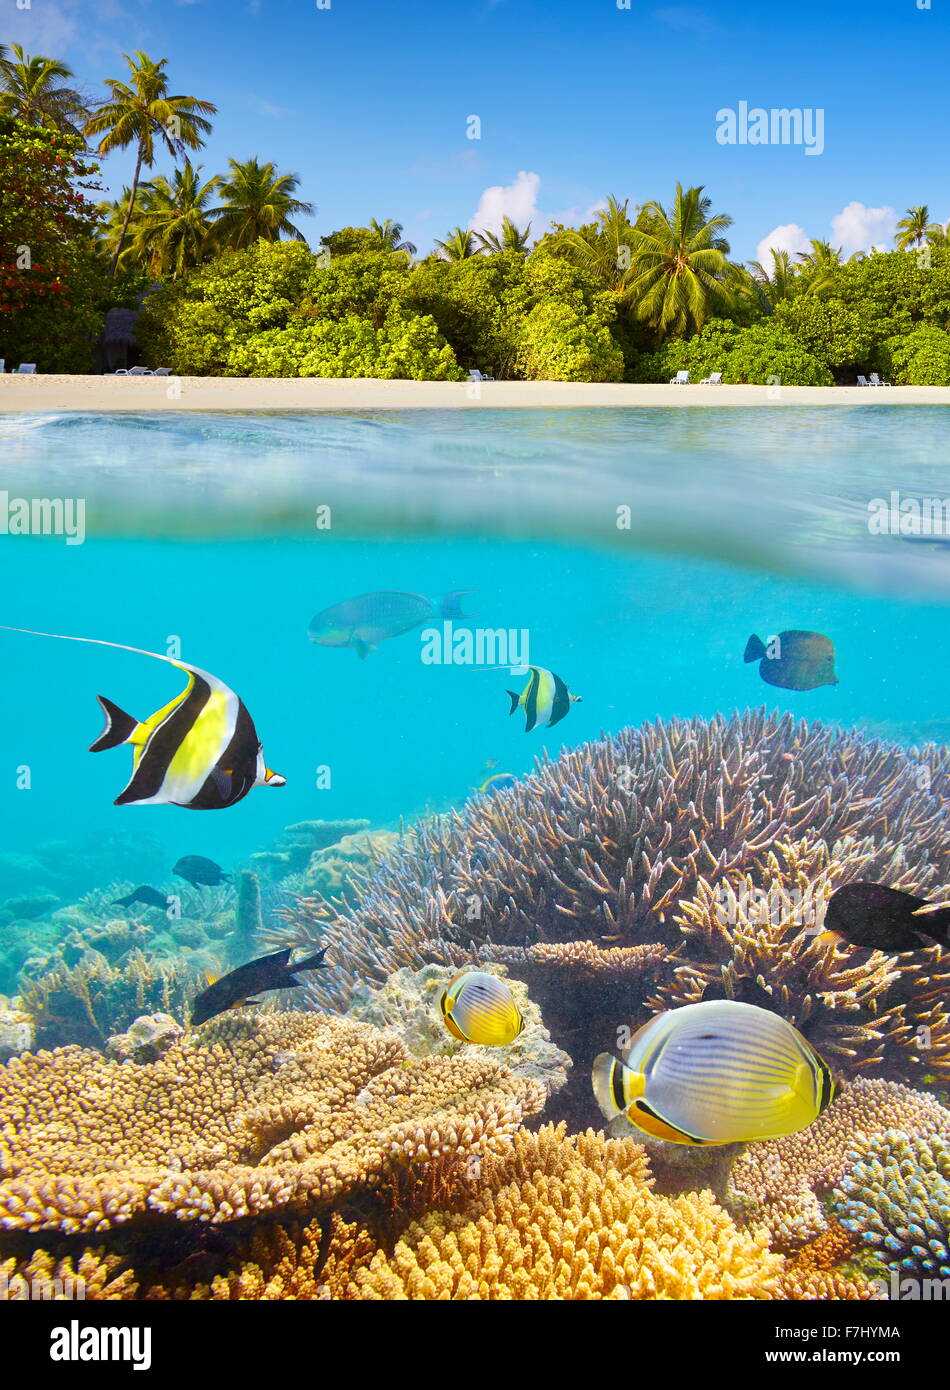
{"points": [[885, 919], [365, 621], [794, 660], [143, 894], [199, 871], [256, 977]]}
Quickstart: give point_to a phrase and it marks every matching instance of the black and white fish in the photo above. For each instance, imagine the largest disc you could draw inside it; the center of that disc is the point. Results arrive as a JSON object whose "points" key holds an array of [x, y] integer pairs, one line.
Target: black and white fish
{"points": [[545, 699]]}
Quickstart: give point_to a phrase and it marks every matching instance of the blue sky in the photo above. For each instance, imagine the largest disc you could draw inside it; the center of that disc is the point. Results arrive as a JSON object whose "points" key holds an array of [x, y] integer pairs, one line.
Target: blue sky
{"points": [[368, 101]]}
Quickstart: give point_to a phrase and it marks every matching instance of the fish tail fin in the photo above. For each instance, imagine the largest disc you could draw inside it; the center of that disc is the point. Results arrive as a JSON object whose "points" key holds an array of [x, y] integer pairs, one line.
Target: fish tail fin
{"points": [[515, 700], [119, 727], [605, 1079], [313, 962], [450, 605], [754, 649], [936, 924]]}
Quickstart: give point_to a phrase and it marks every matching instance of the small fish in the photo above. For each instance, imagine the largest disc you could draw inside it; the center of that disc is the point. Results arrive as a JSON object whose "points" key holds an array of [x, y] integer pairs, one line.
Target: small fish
{"points": [[498, 783], [794, 660], [884, 919], [200, 872], [480, 1008], [719, 1072], [151, 897], [545, 699], [200, 751], [365, 621], [256, 977]]}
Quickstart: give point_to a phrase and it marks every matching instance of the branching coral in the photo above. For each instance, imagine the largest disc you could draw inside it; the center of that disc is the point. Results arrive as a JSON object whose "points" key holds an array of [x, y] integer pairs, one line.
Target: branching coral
{"points": [[896, 1197], [599, 876], [244, 1116]]}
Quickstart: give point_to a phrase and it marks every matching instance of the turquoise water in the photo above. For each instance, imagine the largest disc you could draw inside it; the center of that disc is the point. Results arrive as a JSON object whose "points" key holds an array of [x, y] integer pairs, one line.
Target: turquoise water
{"points": [[204, 529]]}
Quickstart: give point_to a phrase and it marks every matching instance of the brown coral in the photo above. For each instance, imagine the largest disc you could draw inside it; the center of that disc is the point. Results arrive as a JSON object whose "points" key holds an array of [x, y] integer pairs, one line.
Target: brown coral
{"points": [[249, 1114]]}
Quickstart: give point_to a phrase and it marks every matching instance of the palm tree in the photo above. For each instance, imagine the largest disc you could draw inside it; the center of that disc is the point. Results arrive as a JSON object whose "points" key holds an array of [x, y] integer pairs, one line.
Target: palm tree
{"points": [[681, 269], [31, 90], [819, 265], [112, 221], [780, 282], [258, 204], [172, 230], [913, 228], [459, 245], [608, 254], [937, 234], [511, 239], [387, 236], [142, 113]]}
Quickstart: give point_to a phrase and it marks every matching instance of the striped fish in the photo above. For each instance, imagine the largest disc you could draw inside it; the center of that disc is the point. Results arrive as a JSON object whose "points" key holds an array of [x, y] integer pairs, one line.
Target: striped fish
{"points": [[719, 1072], [200, 751], [545, 699], [480, 1008]]}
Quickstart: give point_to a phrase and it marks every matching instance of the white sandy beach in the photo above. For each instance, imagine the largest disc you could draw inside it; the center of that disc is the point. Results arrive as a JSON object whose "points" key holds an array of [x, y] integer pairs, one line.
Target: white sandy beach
{"points": [[104, 394]]}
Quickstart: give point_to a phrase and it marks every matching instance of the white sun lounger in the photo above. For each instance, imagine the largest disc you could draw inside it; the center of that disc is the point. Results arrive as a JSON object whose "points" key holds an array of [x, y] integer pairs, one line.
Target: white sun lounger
{"points": [[140, 371], [475, 375], [162, 371], [714, 380], [681, 379], [862, 381], [876, 380], [26, 369]]}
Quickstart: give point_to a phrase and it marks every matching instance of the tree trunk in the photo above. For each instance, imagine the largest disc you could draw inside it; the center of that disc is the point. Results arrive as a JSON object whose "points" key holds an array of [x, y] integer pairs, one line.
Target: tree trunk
{"points": [[128, 211]]}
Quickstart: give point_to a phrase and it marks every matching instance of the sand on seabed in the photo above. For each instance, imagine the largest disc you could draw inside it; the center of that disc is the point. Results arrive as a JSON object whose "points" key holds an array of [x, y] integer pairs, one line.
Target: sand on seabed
{"points": [[107, 394]]}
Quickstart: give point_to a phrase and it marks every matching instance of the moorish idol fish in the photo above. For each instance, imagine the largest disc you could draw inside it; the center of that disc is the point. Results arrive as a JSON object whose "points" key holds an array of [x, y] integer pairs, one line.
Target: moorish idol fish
{"points": [[151, 897], [794, 660], [545, 699], [884, 919], [200, 751], [255, 977], [365, 621], [480, 1008], [719, 1072], [200, 872]]}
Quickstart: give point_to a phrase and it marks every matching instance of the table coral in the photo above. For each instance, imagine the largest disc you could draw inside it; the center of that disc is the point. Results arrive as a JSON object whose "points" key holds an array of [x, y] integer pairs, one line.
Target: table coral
{"points": [[895, 1196], [249, 1114]]}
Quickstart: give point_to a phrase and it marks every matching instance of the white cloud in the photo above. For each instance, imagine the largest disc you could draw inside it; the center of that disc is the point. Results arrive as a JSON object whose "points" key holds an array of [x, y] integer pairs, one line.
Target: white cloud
{"points": [[858, 228], [790, 238], [517, 200]]}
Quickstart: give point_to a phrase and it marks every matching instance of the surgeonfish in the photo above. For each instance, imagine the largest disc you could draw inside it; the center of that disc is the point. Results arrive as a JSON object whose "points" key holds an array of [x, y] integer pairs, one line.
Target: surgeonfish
{"points": [[884, 919], [200, 751], [145, 894], [794, 660], [480, 1008], [718, 1072], [365, 621], [545, 699], [200, 872], [255, 977]]}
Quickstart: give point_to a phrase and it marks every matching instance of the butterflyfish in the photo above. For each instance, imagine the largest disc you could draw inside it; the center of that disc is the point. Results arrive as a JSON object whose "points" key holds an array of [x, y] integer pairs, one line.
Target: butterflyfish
{"points": [[236, 988], [718, 1072], [368, 619], [545, 699], [200, 751], [480, 1008], [885, 919]]}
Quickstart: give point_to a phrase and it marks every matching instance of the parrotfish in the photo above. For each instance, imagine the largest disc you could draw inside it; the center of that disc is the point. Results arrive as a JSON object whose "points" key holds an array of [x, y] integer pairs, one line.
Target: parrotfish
{"points": [[480, 1008], [200, 751], [365, 621], [148, 896], [719, 1072], [198, 871], [794, 660], [885, 919], [545, 699], [255, 977]]}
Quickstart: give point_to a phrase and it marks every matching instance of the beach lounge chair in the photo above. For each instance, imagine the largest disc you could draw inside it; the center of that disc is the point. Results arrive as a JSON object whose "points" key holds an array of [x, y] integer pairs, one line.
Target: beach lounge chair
{"points": [[876, 380], [714, 380], [3, 366], [162, 371], [681, 379], [862, 381], [140, 371], [26, 369], [475, 375]]}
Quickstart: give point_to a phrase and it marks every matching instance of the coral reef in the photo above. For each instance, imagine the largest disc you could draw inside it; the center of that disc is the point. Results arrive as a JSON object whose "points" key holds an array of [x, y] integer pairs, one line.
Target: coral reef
{"points": [[895, 1196], [246, 1115], [299, 843], [594, 880], [16, 1031], [146, 1040], [407, 1004]]}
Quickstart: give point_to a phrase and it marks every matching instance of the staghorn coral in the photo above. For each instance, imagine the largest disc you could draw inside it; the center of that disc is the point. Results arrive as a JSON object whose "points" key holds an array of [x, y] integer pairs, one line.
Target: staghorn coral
{"points": [[780, 1182], [895, 1196], [94, 1275], [249, 1114], [594, 878]]}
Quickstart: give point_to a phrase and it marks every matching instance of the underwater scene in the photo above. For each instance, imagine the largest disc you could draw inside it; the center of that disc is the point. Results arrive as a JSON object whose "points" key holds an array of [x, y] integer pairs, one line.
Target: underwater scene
{"points": [[508, 858]]}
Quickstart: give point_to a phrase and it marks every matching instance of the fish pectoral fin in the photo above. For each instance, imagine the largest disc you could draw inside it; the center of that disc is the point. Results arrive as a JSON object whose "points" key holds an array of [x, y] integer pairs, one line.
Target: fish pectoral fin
{"points": [[362, 648], [120, 727]]}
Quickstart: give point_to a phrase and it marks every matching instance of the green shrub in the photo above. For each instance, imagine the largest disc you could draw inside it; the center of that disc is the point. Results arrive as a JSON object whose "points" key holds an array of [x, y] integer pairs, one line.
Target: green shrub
{"points": [[561, 343], [921, 358]]}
